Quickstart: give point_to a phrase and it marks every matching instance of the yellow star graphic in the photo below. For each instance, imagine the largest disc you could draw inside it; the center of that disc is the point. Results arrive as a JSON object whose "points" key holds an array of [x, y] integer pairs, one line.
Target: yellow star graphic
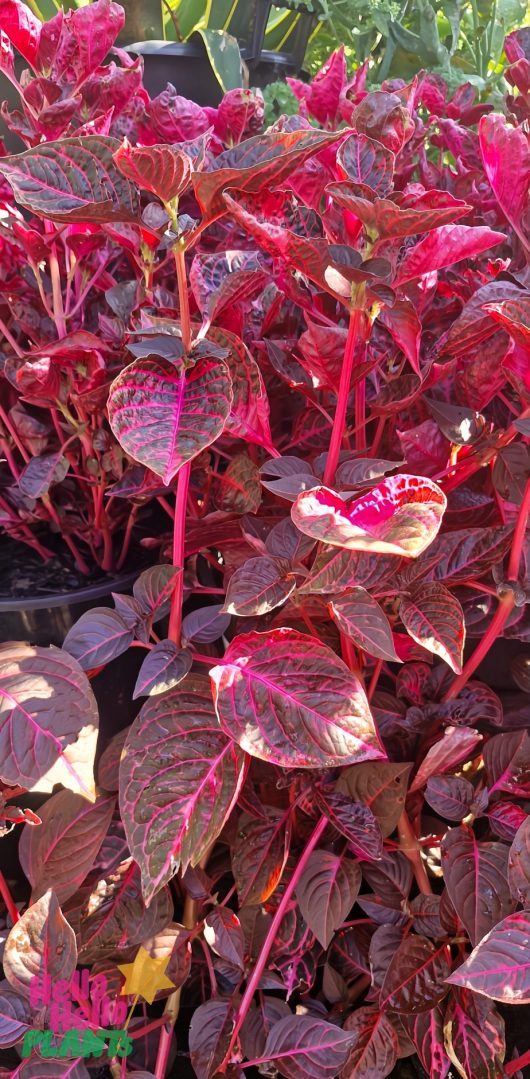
{"points": [[145, 977]]}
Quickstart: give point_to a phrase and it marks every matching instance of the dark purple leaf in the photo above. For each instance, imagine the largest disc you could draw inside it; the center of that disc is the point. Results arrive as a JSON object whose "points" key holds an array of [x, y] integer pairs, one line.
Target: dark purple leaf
{"points": [[507, 763], [209, 1036], [499, 967], [456, 745], [359, 616], [41, 473], [416, 978], [75, 179], [98, 637], [382, 787], [179, 778], [519, 864], [366, 161], [475, 875], [222, 931], [288, 699], [375, 1048], [162, 669], [353, 820], [326, 892], [259, 855], [114, 916], [427, 1033], [40, 943], [450, 796], [474, 1036], [434, 619], [205, 624], [301, 1045], [15, 1018], [154, 588], [258, 586]]}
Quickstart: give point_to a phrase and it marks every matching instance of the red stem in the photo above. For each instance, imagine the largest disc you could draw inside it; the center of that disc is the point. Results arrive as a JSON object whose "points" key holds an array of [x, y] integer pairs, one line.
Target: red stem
{"points": [[408, 843], [8, 899], [127, 537], [179, 532], [506, 602], [514, 1066], [255, 977], [339, 423]]}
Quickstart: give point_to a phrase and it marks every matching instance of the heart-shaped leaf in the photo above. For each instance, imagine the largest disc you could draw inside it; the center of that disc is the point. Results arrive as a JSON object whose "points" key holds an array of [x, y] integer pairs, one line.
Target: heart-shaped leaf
{"points": [[164, 170], [98, 637], [89, 189], [162, 669], [164, 414], [359, 616], [40, 943], [434, 618], [288, 699], [61, 852], [402, 516], [450, 796], [499, 967], [476, 880], [326, 892], [179, 778], [305, 1045], [48, 720]]}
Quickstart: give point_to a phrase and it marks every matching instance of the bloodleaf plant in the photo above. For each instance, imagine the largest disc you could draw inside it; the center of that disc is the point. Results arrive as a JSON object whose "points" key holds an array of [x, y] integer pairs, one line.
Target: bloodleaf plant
{"points": [[318, 816]]}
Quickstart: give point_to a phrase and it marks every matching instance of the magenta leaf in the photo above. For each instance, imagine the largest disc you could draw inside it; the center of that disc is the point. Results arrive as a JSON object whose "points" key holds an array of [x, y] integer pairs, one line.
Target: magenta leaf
{"points": [[89, 188], [444, 246], [416, 977], [164, 414], [427, 1034], [305, 1045], [383, 788], [40, 943], [61, 852], [162, 669], [505, 154], [326, 892], [474, 1036], [259, 586], [179, 779], [22, 27], [288, 699], [249, 409], [259, 855], [98, 637], [434, 618], [375, 1048], [48, 720], [359, 616], [476, 880], [499, 967], [400, 516]]}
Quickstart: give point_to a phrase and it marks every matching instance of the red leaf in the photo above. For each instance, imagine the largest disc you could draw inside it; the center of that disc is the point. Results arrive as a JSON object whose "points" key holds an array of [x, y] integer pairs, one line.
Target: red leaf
{"points": [[474, 1037], [506, 157], [400, 516], [366, 161], [426, 1031], [255, 164], [164, 414], [249, 410], [164, 170], [222, 931], [416, 977], [175, 749], [476, 880], [288, 699], [445, 246], [499, 967], [404, 326], [259, 855], [72, 180], [456, 745], [326, 892], [382, 116], [434, 618], [22, 27]]}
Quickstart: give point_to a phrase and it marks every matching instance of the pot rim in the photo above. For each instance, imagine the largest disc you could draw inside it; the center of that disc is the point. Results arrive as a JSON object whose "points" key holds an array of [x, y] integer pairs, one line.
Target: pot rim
{"points": [[91, 592]]}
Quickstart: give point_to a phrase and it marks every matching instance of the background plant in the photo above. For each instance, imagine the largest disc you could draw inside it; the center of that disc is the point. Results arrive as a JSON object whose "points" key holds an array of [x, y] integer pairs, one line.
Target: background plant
{"points": [[331, 388]]}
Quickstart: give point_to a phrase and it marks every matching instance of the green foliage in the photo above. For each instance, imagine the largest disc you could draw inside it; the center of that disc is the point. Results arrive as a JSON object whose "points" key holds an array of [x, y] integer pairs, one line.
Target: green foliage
{"points": [[279, 101]]}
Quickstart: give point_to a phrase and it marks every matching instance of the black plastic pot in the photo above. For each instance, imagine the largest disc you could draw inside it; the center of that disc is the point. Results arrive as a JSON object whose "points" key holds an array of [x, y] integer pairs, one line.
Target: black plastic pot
{"points": [[45, 620], [183, 64], [271, 66]]}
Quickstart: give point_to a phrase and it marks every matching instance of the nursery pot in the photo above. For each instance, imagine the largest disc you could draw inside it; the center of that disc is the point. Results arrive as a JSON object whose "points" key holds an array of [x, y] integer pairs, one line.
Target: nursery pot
{"points": [[271, 66], [183, 64], [45, 620]]}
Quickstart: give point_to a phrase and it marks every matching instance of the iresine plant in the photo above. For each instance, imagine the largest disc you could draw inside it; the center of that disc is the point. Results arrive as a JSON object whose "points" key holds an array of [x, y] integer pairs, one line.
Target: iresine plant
{"points": [[313, 347]]}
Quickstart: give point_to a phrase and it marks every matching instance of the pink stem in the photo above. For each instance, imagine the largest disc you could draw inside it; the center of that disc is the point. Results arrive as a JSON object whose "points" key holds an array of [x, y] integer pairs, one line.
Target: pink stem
{"points": [[408, 843], [8, 899], [281, 910], [339, 423], [175, 616]]}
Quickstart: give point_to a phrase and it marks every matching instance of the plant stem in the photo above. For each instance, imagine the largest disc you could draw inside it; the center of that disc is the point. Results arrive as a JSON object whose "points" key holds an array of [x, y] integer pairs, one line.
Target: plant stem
{"points": [[171, 1014], [515, 1065], [408, 843], [175, 616], [8, 899], [506, 602], [255, 977], [339, 423]]}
